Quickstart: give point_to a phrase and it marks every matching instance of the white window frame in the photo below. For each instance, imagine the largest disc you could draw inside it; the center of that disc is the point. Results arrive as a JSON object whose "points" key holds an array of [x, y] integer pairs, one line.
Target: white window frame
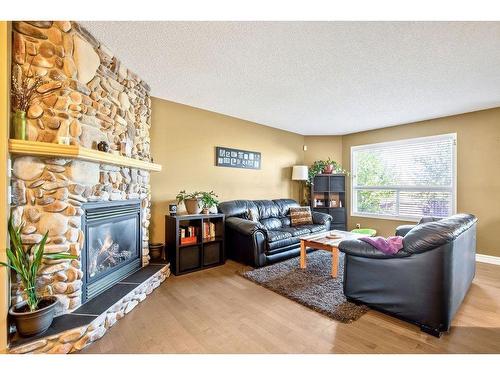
{"points": [[399, 189]]}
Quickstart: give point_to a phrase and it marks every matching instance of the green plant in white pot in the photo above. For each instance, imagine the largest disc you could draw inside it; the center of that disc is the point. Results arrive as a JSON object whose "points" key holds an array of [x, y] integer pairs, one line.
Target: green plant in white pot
{"points": [[35, 314], [208, 200]]}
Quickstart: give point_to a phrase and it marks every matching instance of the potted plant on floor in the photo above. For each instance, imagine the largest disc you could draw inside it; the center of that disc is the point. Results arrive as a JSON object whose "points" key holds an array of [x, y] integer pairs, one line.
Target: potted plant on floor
{"points": [[35, 314], [208, 200], [191, 201]]}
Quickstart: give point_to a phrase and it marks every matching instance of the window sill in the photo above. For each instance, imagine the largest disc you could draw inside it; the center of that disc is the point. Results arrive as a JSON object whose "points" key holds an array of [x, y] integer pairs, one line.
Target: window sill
{"points": [[386, 217]]}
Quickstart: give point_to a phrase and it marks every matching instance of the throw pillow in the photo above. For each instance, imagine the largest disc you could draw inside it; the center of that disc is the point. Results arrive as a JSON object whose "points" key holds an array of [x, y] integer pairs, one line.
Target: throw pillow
{"points": [[251, 215], [300, 216]]}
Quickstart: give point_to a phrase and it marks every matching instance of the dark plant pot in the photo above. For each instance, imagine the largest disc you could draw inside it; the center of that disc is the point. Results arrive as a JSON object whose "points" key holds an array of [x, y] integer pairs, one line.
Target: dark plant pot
{"points": [[328, 169], [156, 251], [205, 211], [192, 206], [31, 323]]}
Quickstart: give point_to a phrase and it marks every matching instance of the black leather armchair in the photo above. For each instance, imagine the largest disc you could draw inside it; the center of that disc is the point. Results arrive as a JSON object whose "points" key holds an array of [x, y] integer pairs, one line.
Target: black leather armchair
{"points": [[268, 238], [425, 282]]}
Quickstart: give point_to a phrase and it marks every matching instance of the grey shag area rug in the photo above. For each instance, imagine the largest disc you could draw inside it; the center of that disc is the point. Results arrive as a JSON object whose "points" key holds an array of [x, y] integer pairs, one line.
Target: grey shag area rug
{"points": [[313, 287]]}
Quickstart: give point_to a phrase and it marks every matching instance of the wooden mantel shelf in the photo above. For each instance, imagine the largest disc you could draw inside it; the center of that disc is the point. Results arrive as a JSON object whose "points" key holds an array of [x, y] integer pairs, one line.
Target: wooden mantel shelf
{"points": [[77, 152]]}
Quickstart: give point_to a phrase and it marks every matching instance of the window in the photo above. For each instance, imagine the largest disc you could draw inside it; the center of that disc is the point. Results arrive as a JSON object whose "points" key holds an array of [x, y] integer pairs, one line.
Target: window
{"points": [[405, 179]]}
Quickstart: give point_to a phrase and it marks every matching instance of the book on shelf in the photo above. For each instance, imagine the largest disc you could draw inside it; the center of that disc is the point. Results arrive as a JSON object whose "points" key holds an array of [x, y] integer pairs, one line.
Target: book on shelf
{"points": [[188, 234], [208, 230], [188, 240]]}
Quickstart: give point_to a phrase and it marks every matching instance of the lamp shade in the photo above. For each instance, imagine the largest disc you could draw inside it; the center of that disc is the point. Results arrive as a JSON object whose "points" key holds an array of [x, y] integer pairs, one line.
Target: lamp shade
{"points": [[300, 172]]}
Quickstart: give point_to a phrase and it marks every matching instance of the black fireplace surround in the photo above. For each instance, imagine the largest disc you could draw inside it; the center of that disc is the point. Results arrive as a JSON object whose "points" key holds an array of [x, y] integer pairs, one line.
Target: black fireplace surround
{"points": [[112, 248]]}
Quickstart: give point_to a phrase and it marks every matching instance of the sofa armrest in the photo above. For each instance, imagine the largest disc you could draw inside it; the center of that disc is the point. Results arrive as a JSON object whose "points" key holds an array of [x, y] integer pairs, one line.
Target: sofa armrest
{"points": [[246, 241], [321, 218], [403, 229], [362, 249], [246, 227]]}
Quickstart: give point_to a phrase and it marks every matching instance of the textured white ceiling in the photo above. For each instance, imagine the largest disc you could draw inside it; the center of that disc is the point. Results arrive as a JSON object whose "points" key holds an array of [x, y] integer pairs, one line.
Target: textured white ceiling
{"points": [[315, 77]]}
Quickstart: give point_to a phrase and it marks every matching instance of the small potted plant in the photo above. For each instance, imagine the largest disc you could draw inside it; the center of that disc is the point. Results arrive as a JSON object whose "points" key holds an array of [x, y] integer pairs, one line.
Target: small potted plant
{"points": [[327, 166], [208, 200], [191, 201], [35, 314], [23, 94]]}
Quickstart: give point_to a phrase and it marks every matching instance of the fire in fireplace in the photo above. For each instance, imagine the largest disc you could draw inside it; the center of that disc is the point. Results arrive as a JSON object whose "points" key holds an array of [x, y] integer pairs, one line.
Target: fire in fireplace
{"points": [[112, 244], [112, 248]]}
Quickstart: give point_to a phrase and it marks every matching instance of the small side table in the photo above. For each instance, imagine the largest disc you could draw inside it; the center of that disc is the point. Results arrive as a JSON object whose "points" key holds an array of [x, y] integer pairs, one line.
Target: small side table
{"points": [[205, 252]]}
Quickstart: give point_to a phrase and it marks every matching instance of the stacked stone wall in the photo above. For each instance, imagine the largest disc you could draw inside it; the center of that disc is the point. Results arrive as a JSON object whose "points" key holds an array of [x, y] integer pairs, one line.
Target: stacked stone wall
{"points": [[88, 96]]}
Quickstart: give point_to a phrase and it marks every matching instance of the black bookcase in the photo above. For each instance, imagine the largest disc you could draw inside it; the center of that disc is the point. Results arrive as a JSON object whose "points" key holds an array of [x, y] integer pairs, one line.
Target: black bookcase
{"points": [[328, 196], [204, 253]]}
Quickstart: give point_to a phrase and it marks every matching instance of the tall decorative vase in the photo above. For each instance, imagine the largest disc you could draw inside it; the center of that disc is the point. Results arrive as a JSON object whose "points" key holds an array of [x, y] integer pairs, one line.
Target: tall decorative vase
{"points": [[19, 124]]}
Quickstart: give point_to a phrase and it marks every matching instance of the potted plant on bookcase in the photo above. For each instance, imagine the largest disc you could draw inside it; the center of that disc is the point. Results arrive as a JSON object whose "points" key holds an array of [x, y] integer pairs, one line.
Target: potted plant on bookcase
{"points": [[208, 200], [198, 201], [191, 201], [35, 314], [327, 166]]}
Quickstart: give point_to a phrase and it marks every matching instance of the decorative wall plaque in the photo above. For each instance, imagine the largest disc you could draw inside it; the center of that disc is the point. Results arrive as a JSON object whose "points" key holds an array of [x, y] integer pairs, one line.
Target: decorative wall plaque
{"points": [[234, 158]]}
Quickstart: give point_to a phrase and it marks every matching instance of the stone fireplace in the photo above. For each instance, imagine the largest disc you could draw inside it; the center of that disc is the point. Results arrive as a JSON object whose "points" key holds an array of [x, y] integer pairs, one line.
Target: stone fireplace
{"points": [[89, 96], [112, 249], [94, 205]]}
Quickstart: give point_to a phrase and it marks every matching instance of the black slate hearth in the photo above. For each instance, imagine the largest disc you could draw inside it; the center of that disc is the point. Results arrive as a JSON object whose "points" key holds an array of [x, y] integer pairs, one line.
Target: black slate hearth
{"points": [[89, 311]]}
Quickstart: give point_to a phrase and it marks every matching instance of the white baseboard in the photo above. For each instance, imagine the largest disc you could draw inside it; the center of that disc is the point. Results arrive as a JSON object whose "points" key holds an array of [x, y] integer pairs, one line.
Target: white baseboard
{"points": [[487, 259]]}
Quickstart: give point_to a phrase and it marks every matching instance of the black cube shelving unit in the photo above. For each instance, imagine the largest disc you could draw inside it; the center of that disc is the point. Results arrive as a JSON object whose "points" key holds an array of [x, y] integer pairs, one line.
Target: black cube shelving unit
{"points": [[328, 196], [204, 253]]}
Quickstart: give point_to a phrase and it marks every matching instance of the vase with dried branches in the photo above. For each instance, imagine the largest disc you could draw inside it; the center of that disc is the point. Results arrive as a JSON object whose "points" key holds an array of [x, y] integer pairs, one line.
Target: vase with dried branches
{"points": [[24, 93]]}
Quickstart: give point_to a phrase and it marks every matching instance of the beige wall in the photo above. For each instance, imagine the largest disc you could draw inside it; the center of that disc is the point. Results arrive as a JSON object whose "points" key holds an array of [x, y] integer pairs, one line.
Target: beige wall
{"points": [[183, 140], [4, 126], [478, 169], [322, 147]]}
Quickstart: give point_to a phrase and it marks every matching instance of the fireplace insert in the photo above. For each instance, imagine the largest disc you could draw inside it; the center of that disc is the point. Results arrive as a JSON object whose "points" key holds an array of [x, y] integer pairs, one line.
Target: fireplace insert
{"points": [[112, 246]]}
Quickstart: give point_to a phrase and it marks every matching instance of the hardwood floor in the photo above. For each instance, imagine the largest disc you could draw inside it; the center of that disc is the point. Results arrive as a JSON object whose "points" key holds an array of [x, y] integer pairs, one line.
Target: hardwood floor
{"points": [[217, 311]]}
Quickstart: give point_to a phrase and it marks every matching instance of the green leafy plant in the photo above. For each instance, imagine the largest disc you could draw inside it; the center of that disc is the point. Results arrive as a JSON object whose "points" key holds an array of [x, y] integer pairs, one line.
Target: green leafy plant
{"points": [[319, 165], [26, 263], [208, 199]]}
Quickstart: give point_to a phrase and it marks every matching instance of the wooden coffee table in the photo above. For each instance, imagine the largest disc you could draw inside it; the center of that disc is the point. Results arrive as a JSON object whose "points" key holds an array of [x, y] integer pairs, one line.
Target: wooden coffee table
{"points": [[321, 242]]}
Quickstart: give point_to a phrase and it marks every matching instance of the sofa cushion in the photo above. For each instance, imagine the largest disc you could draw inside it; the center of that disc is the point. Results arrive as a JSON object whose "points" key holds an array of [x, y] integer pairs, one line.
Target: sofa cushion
{"points": [[276, 235], [237, 208], [285, 221], [271, 223], [300, 216], [284, 206], [267, 209], [428, 236], [296, 231], [283, 243], [428, 219], [314, 228]]}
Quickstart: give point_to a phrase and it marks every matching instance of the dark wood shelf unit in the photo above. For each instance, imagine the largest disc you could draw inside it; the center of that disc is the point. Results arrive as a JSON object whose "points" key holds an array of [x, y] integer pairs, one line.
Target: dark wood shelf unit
{"points": [[329, 190], [205, 253]]}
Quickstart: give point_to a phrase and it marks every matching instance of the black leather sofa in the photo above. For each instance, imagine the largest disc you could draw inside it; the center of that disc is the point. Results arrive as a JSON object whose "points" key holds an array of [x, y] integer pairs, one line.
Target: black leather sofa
{"points": [[269, 238], [425, 282]]}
